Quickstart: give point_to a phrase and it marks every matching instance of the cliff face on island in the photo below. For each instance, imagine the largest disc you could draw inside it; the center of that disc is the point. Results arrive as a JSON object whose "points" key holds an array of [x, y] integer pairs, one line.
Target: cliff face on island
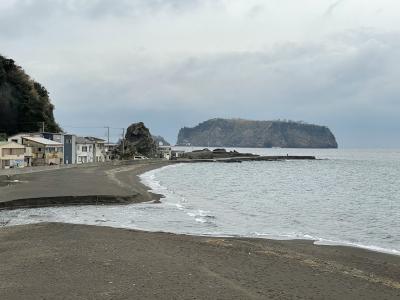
{"points": [[24, 103], [257, 134]]}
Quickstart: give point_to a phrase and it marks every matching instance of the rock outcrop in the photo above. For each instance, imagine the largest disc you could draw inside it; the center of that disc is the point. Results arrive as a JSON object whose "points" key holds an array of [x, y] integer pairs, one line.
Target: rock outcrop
{"points": [[215, 154], [160, 140], [139, 141], [257, 134], [24, 103]]}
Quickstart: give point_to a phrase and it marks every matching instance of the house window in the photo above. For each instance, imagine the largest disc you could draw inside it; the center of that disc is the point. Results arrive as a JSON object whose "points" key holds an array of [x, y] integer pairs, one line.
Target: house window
{"points": [[84, 148]]}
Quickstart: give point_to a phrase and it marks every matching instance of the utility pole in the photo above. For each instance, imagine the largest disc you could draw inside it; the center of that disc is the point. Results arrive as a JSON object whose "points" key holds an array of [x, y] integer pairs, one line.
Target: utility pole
{"points": [[108, 134], [42, 127], [108, 141], [123, 141]]}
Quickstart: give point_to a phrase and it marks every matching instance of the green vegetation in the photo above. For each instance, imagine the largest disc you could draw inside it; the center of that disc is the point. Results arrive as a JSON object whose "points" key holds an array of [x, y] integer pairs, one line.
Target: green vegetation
{"points": [[257, 134], [24, 104]]}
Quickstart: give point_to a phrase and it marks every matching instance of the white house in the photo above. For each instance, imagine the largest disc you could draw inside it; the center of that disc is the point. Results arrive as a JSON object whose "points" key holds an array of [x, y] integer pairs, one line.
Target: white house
{"points": [[99, 153], [89, 150], [165, 152], [84, 150]]}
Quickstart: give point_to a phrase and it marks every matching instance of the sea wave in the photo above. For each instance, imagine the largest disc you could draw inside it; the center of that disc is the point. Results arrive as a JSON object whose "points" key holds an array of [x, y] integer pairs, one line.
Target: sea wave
{"points": [[207, 218], [325, 242]]}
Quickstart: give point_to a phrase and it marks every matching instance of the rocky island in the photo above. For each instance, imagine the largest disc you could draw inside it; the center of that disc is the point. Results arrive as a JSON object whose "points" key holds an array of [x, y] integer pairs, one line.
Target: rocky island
{"points": [[257, 134]]}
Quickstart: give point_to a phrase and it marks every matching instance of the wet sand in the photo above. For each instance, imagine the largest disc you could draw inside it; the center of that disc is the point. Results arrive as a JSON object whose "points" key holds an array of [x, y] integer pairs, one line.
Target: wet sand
{"points": [[65, 261]]}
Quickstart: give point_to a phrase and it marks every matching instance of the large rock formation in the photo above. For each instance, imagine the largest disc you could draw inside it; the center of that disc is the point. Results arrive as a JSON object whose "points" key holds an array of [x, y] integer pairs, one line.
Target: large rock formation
{"points": [[160, 140], [138, 141], [24, 103], [257, 134]]}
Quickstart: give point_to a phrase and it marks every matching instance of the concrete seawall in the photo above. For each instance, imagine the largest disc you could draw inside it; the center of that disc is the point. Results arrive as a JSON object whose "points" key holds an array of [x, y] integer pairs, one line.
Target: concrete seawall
{"points": [[70, 201]]}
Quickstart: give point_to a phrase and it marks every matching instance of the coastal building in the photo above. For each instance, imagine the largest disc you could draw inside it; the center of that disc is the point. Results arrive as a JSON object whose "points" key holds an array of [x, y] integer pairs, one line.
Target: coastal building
{"points": [[68, 141], [17, 138], [84, 150], [28, 156], [12, 155], [90, 149], [69, 149], [99, 149], [165, 152], [110, 151], [177, 154], [44, 151]]}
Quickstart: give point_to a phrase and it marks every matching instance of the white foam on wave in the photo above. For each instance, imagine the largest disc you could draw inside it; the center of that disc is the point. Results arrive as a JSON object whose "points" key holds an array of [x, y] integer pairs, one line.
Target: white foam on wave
{"points": [[200, 220], [149, 179], [326, 242], [171, 198]]}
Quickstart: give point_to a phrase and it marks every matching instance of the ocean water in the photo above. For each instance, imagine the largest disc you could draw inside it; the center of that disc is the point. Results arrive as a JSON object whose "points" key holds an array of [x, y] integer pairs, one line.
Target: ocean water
{"points": [[347, 197]]}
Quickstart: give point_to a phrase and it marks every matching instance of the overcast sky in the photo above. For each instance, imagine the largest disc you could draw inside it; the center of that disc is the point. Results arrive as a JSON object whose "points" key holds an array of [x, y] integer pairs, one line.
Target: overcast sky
{"points": [[175, 63]]}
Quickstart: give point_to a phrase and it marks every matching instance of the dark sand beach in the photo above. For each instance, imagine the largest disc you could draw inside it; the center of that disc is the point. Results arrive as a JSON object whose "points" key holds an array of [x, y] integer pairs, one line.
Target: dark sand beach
{"points": [[106, 184], [65, 261]]}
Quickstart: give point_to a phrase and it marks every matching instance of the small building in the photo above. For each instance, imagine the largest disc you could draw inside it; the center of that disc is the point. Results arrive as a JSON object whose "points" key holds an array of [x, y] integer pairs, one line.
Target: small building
{"points": [[69, 145], [12, 155], [44, 151], [110, 151], [84, 150], [69, 149], [175, 154], [99, 149], [90, 149], [17, 138], [165, 152]]}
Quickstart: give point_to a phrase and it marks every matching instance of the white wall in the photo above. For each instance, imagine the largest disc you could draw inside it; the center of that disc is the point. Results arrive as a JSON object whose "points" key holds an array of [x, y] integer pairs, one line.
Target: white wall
{"points": [[84, 156]]}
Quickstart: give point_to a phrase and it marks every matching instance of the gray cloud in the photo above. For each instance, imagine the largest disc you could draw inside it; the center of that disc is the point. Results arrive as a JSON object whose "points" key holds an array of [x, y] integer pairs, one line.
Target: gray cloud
{"points": [[345, 79], [333, 7], [30, 17], [178, 62]]}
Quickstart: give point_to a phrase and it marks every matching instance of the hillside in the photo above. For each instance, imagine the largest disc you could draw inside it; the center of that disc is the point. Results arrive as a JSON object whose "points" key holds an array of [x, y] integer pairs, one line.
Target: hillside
{"points": [[24, 103], [257, 134]]}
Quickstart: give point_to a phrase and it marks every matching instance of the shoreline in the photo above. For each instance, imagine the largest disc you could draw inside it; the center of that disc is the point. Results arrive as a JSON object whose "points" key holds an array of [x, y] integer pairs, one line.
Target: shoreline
{"points": [[127, 176], [317, 242], [88, 261]]}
